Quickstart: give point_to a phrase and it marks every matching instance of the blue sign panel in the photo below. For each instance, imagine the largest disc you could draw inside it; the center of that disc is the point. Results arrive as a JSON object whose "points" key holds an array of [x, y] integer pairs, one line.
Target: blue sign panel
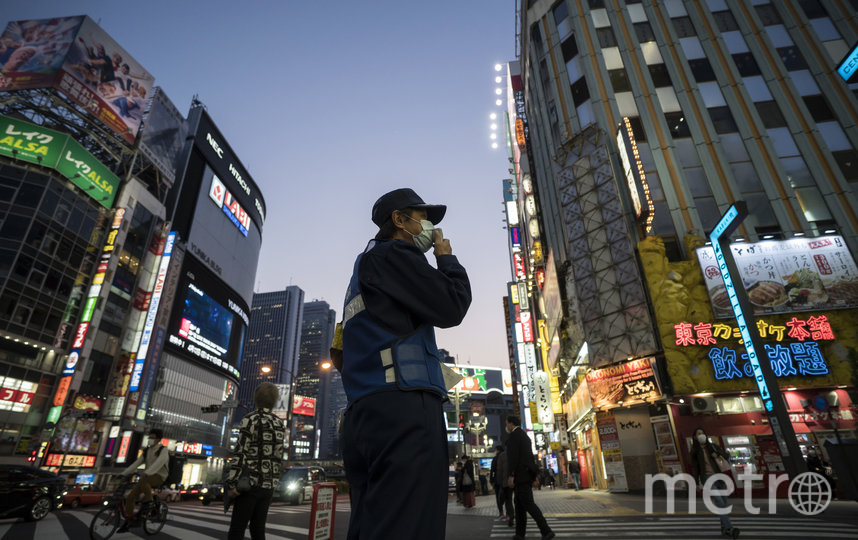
{"points": [[849, 65], [753, 358]]}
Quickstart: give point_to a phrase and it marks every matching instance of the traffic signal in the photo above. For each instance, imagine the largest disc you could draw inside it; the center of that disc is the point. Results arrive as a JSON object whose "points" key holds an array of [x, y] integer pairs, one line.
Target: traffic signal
{"points": [[33, 455], [462, 420], [210, 409]]}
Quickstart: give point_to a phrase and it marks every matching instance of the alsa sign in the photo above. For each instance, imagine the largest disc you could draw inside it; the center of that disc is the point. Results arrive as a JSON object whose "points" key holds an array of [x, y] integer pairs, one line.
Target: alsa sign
{"points": [[226, 201]]}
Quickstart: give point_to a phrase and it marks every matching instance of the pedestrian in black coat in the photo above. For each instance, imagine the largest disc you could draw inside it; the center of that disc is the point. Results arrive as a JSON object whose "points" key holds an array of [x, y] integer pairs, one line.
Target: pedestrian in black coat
{"points": [[522, 479]]}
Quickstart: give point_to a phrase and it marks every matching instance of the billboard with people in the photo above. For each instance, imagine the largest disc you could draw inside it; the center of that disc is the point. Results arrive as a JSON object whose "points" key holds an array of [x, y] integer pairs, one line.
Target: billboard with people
{"points": [[77, 57]]}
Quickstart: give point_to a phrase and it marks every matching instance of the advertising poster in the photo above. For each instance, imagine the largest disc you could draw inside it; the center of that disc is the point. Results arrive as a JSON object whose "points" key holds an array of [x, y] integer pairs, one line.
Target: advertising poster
{"points": [[611, 452], [786, 276], [32, 51], [164, 134], [104, 79], [667, 452], [304, 405], [629, 382], [482, 380]]}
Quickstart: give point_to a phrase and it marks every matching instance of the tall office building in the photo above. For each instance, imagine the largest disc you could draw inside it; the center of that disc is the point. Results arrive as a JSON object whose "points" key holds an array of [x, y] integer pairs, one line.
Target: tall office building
{"points": [[634, 125], [332, 403], [317, 332], [273, 340]]}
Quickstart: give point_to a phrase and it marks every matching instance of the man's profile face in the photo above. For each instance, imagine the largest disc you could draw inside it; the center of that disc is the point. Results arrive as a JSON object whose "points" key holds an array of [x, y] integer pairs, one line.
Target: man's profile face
{"points": [[509, 427]]}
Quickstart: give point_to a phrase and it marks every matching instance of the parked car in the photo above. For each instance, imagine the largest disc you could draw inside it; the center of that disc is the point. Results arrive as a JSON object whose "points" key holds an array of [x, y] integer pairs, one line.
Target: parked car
{"points": [[296, 484], [84, 495], [213, 492], [29, 492], [168, 493]]}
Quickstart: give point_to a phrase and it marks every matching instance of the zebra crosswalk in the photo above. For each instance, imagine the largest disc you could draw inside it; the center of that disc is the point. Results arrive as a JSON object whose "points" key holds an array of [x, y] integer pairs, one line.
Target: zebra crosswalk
{"points": [[689, 526], [184, 522]]}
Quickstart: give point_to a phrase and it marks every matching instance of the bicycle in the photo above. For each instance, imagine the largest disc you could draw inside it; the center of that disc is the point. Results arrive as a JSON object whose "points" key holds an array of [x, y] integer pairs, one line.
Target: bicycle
{"points": [[105, 523]]}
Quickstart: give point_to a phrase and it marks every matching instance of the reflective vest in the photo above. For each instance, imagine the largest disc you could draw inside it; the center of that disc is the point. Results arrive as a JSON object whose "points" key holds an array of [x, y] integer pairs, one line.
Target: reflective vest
{"points": [[376, 359]]}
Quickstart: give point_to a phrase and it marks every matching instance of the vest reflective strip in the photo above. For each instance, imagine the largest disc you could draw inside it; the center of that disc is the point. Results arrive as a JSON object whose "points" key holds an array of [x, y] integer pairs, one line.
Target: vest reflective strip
{"points": [[353, 308], [387, 362]]}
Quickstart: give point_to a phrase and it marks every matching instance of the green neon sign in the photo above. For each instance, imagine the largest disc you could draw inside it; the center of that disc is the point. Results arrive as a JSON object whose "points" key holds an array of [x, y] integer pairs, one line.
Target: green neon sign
{"points": [[42, 146]]}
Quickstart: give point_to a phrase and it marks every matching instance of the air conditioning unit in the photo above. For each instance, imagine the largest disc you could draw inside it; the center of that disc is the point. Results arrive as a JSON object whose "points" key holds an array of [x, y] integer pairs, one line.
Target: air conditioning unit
{"points": [[703, 404]]}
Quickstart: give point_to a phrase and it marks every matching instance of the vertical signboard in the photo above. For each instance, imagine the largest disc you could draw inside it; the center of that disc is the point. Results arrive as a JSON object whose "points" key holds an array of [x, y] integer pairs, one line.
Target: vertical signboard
{"points": [[137, 372], [542, 398], [89, 309]]}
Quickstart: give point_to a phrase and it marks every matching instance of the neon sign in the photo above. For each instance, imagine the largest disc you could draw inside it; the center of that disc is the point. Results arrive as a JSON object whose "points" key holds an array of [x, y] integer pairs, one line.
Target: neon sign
{"points": [[150, 316], [786, 360], [227, 202], [753, 359], [815, 328]]}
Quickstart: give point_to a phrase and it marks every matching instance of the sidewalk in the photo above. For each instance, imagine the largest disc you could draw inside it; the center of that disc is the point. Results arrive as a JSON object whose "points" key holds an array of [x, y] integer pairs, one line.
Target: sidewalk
{"points": [[562, 502]]}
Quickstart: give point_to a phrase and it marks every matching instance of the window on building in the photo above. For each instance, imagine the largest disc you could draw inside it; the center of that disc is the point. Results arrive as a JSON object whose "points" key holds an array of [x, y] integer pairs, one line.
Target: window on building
{"points": [[596, 4], [619, 80], [725, 21], [847, 160], [560, 12], [768, 14], [746, 64], [792, 58], [723, 120], [814, 10], [606, 37], [536, 39], [659, 74], [644, 32], [569, 48], [818, 107], [684, 27], [771, 115], [677, 124], [580, 92], [702, 70]]}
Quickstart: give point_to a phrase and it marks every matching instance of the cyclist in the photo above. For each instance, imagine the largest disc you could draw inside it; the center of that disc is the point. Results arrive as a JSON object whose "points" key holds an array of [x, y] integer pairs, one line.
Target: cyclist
{"points": [[157, 467]]}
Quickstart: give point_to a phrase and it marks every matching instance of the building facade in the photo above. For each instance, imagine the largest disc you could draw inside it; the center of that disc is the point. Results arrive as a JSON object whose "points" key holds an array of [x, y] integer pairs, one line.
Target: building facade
{"points": [[273, 341], [633, 126], [317, 332]]}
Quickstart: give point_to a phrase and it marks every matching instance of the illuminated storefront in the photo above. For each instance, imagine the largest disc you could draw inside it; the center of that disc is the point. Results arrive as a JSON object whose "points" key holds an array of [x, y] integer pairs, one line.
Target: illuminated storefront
{"points": [[806, 318]]}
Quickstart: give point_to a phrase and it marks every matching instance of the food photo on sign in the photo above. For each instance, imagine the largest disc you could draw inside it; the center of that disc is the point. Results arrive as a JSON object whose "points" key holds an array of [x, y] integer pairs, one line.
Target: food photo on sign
{"points": [[622, 384], [784, 276], [705, 353]]}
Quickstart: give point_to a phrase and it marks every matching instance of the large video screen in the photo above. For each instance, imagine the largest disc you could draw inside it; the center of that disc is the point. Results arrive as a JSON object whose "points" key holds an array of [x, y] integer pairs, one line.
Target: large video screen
{"points": [[208, 320], [205, 322]]}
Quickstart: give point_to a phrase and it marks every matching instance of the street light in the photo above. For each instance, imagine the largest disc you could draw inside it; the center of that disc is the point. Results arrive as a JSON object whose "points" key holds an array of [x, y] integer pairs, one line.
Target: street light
{"points": [[266, 369]]}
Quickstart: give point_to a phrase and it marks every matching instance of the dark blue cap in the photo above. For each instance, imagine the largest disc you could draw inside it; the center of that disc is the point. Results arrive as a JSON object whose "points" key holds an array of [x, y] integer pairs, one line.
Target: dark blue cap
{"points": [[400, 199]]}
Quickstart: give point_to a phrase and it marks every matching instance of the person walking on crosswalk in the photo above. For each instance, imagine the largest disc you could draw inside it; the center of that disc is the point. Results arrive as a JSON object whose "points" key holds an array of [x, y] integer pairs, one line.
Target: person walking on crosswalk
{"points": [[708, 459]]}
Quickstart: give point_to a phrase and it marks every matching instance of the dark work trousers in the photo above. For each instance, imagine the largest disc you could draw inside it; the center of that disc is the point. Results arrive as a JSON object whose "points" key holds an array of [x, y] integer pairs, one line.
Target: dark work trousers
{"points": [[250, 507], [395, 455], [524, 505], [503, 495], [506, 494]]}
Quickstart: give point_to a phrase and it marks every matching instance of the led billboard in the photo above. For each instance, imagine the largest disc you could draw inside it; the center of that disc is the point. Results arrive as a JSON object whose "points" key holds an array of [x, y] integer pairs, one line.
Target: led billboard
{"points": [[209, 321], [77, 57]]}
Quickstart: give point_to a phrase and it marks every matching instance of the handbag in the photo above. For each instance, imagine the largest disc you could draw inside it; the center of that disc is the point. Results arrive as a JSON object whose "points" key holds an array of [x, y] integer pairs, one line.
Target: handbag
{"points": [[722, 463], [466, 479]]}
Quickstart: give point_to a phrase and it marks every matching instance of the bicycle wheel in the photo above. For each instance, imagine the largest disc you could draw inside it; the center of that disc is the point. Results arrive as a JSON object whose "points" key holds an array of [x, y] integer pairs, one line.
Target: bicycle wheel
{"points": [[104, 523], [155, 518]]}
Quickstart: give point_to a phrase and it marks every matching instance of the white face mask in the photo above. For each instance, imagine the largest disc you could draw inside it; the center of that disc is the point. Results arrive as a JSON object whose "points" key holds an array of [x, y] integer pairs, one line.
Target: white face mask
{"points": [[701, 438], [426, 238]]}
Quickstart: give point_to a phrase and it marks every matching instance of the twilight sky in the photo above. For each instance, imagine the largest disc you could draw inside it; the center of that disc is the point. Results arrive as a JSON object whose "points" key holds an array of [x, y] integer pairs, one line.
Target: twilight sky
{"points": [[331, 104]]}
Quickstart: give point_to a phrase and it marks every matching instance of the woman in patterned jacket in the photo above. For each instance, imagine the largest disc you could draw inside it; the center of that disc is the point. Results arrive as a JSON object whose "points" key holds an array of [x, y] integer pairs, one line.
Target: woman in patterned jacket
{"points": [[257, 457]]}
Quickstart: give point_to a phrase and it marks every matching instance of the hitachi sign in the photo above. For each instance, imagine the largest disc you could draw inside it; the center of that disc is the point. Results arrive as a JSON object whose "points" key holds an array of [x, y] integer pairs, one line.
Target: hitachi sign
{"points": [[239, 179]]}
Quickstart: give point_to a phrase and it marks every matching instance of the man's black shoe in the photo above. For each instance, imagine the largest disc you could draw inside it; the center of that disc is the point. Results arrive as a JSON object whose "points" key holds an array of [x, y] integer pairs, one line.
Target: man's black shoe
{"points": [[125, 526], [548, 536]]}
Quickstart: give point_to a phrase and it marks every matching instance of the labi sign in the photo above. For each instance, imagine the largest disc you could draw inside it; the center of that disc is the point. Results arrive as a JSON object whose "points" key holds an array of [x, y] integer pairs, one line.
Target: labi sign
{"points": [[49, 148]]}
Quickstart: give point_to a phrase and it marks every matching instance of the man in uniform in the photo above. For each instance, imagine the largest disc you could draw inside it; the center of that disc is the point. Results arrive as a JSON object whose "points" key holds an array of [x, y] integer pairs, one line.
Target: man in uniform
{"points": [[394, 440]]}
